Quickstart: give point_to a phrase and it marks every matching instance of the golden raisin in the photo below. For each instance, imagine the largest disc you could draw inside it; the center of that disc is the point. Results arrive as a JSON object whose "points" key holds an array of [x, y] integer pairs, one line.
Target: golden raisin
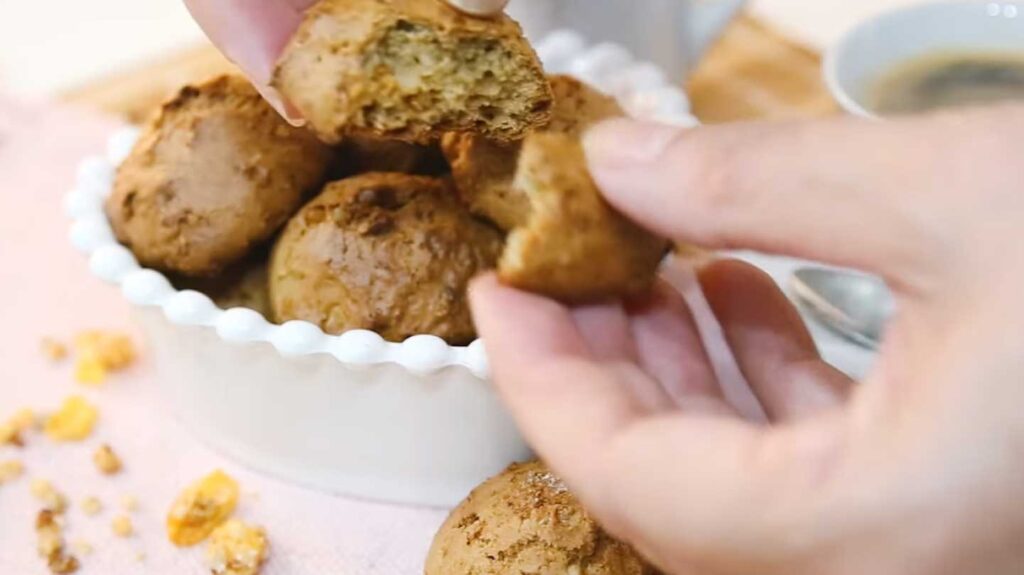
{"points": [[101, 352], [201, 508], [74, 420]]}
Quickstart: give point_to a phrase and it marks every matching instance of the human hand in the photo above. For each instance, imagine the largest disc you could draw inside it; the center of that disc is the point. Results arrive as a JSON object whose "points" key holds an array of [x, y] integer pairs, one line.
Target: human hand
{"points": [[254, 33], [916, 470]]}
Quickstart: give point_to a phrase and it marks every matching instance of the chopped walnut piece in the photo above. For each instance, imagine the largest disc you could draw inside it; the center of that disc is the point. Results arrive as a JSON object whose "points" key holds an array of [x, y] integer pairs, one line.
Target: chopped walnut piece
{"points": [[122, 526], [91, 506], [50, 544], [100, 353], [201, 508], [10, 470], [11, 430], [74, 420], [106, 460], [53, 350], [236, 549], [63, 564], [53, 500]]}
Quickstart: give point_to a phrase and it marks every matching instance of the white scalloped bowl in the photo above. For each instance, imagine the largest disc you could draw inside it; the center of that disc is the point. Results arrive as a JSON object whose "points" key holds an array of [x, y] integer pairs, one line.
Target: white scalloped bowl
{"points": [[415, 422]]}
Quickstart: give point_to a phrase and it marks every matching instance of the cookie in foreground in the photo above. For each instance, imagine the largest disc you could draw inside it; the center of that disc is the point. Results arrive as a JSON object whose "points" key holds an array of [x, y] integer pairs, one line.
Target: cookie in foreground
{"points": [[411, 70], [527, 521], [391, 253], [573, 246], [215, 172]]}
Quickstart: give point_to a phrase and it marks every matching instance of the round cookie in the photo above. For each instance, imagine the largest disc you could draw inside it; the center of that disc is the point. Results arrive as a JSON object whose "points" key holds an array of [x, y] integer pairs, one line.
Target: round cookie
{"points": [[392, 253], [215, 173], [525, 521]]}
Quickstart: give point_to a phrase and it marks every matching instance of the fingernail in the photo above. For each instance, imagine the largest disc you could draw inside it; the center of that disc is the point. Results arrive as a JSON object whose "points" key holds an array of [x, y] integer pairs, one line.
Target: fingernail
{"points": [[627, 143], [479, 7], [289, 112]]}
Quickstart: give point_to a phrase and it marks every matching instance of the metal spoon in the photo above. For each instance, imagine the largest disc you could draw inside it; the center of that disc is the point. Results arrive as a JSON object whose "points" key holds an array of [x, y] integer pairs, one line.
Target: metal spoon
{"points": [[854, 305]]}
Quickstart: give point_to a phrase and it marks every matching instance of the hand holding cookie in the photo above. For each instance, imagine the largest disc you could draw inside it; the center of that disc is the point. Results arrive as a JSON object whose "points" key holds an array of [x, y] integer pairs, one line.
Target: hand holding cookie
{"points": [[254, 33]]}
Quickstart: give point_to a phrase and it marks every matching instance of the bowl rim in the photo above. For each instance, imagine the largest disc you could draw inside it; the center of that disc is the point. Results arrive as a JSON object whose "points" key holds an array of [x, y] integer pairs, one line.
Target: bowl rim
{"points": [[833, 57], [641, 87]]}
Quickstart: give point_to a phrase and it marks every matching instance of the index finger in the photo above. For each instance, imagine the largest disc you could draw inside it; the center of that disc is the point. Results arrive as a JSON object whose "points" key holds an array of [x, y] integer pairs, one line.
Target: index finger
{"points": [[250, 33]]}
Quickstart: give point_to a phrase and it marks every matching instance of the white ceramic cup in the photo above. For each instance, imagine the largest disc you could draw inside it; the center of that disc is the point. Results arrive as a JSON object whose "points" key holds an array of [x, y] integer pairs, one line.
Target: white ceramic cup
{"points": [[673, 34], [876, 46]]}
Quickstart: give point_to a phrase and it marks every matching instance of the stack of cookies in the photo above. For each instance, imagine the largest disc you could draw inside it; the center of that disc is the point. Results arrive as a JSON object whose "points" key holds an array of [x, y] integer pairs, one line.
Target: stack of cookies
{"points": [[436, 149]]}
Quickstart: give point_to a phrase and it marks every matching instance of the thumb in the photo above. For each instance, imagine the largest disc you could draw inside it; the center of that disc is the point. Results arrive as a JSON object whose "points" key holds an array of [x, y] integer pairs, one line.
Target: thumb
{"points": [[828, 190]]}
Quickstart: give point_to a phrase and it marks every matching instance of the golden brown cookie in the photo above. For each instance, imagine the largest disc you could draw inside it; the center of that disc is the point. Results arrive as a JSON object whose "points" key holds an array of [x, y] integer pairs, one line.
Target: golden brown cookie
{"points": [[483, 170], [215, 173], [525, 521], [411, 70], [391, 253], [574, 246]]}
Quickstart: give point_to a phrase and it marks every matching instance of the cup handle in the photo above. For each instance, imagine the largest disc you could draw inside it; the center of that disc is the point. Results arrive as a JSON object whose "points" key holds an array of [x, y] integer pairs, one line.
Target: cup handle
{"points": [[708, 19]]}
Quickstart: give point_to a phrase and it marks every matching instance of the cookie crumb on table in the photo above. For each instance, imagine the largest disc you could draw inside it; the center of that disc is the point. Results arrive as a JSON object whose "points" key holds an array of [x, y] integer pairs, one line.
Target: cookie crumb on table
{"points": [[53, 350], [50, 544], [91, 506], [201, 508], [11, 470], [53, 500], [74, 421], [235, 548], [101, 352], [107, 462], [12, 430], [122, 526]]}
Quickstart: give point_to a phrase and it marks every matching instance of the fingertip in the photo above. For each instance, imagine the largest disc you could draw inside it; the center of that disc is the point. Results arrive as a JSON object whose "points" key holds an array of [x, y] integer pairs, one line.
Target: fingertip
{"points": [[285, 108], [479, 7]]}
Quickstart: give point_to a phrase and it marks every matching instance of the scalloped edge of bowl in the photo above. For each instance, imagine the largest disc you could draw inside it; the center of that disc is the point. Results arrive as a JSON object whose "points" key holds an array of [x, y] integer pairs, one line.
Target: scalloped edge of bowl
{"points": [[641, 88]]}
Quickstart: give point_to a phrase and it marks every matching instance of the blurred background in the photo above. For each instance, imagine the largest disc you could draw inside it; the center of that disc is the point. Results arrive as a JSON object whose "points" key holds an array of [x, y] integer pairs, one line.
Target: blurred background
{"points": [[63, 46]]}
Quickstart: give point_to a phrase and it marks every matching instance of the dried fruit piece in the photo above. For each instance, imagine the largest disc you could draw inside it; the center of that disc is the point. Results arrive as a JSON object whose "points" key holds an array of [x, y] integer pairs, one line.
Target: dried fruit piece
{"points": [[201, 508], [106, 460], [101, 352], [237, 549], [10, 470], [53, 350], [91, 506], [52, 500], [73, 422], [122, 526], [50, 544]]}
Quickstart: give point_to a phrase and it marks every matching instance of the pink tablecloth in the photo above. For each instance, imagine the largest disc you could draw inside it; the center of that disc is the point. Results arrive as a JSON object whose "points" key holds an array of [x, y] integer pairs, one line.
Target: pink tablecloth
{"points": [[46, 290]]}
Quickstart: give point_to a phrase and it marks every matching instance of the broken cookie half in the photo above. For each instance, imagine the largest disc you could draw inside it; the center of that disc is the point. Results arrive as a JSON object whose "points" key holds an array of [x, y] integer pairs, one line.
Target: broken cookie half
{"points": [[412, 70], [573, 246]]}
